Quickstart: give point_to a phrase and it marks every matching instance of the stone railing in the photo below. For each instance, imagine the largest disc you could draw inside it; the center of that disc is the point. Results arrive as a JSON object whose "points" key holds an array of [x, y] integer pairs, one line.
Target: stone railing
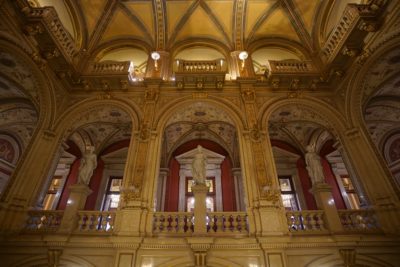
{"points": [[96, 221], [44, 220], [199, 66], [173, 223], [355, 18], [48, 17], [306, 221], [359, 220], [111, 67], [290, 67], [227, 222]]}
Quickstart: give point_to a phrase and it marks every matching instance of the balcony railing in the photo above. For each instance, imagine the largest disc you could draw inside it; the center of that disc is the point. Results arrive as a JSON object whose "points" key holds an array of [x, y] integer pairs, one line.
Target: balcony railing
{"points": [[306, 221], [227, 222], [209, 66], [96, 221], [290, 67], [173, 223], [44, 220], [111, 67], [359, 220]]}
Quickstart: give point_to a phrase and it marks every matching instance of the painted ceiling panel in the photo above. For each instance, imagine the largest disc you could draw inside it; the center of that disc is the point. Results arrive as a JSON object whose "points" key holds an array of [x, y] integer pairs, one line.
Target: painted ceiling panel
{"points": [[307, 10], [121, 26], [256, 9], [205, 29], [175, 11], [223, 11], [278, 24], [144, 11], [92, 10]]}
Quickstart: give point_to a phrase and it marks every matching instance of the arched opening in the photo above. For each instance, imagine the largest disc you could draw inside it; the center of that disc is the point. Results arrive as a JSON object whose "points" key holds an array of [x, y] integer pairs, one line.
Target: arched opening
{"points": [[381, 109], [18, 112], [106, 131], [294, 131], [212, 128]]}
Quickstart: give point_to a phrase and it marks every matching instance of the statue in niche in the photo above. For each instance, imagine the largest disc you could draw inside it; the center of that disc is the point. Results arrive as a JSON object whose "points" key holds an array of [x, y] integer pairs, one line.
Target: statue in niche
{"points": [[88, 164], [199, 166], [314, 166]]}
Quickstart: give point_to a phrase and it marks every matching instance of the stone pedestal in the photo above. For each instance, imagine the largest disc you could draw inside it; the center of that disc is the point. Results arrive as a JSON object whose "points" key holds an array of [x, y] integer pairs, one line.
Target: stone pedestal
{"points": [[200, 209], [323, 196], [76, 201]]}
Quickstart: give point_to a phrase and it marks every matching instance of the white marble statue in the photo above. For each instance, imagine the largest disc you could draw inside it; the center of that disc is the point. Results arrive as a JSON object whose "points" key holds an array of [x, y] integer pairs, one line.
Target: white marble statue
{"points": [[87, 165], [314, 166], [199, 166]]}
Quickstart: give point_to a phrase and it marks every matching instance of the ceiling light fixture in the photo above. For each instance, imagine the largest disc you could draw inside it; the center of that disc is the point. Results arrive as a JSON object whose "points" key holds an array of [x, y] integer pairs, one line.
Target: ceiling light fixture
{"points": [[243, 56], [155, 56]]}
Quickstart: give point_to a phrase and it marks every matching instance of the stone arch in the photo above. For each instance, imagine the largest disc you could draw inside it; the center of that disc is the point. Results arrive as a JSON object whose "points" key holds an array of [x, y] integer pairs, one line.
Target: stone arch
{"points": [[42, 261], [323, 114], [168, 110], [355, 96], [335, 260], [88, 105], [45, 93], [180, 46], [294, 47], [220, 262], [106, 47]]}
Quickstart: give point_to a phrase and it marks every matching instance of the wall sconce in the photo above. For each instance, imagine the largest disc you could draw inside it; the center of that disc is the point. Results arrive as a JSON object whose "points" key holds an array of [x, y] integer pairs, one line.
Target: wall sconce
{"points": [[155, 56], [243, 56]]}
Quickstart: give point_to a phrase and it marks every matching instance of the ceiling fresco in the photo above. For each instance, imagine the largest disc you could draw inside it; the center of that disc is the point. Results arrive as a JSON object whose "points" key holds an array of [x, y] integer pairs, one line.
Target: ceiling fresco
{"points": [[101, 128]]}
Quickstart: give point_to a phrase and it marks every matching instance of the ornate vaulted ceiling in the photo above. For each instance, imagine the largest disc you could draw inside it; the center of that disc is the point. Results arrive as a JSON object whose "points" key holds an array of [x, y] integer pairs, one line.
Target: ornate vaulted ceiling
{"points": [[230, 24]]}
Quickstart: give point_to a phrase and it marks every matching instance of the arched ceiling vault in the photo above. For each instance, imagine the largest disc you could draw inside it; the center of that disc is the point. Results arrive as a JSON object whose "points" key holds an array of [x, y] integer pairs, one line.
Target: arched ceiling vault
{"points": [[161, 24]]}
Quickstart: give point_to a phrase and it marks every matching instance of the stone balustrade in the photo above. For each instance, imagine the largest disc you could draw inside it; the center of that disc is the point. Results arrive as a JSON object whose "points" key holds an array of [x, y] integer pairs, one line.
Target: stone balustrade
{"points": [[306, 221], [340, 32], [96, 221], [227, 222], [48, 17], [290, 67], [199, 66], [44, 220], [173, 222], [111, 67], [359, 220]]}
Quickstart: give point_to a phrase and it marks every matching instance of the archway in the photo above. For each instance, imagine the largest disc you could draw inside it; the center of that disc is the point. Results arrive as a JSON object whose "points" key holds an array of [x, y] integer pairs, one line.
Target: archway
{"points": [[293, 128], [200, 123]]}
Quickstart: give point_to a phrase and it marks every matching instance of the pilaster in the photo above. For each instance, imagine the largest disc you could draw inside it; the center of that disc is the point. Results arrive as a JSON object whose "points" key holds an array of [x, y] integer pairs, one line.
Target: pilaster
{"points": [[378, 183], [21, 193]]}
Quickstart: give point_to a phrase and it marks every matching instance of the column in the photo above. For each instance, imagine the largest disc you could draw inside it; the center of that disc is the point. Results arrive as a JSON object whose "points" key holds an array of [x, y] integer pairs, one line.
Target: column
{"points": [[27, 180], [260, 172], [162, 179], [237, 175], [135, 216], [377, 181], [200, 209], [50, 176], [76, 201]]}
